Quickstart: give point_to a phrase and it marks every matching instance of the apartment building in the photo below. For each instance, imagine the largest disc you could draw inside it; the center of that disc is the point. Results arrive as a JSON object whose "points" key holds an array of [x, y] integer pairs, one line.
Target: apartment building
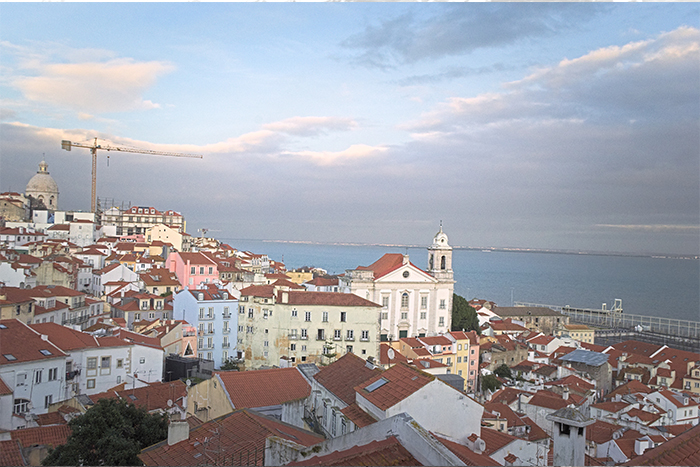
{"points": [[138, 219]]}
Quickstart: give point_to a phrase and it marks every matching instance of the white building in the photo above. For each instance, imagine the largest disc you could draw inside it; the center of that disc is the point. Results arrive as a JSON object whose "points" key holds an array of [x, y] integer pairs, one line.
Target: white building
{"points": [[32, 369], [415, 303]]}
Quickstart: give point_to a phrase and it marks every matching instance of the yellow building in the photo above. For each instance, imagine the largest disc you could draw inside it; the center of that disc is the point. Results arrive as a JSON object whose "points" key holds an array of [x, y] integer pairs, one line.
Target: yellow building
{"points": [[299, 277], [692, 381], [579, 332]]}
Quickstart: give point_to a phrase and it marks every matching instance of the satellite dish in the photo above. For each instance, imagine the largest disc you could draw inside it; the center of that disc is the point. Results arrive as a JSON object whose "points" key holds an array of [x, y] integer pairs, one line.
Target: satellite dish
{"points": [[188, 382], [170, 402], [391, 354]]}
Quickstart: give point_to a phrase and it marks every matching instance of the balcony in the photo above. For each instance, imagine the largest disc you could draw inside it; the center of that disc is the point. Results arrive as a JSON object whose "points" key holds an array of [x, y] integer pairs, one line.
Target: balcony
{"points": [[226, 345], [293, 336]]}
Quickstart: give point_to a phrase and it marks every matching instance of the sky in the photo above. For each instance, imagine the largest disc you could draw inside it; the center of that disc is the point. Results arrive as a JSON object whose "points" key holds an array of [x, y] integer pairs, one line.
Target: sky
{"points": [[535, 125]]}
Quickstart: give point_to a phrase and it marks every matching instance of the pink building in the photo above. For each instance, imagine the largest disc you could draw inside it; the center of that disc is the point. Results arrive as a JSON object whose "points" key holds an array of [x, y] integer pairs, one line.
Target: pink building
{"points": [[192, 269]]}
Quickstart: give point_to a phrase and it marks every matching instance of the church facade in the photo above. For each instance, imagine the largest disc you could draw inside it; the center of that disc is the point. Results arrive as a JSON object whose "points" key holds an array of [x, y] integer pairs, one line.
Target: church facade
{"points": [[415, 302], [43, 188]]}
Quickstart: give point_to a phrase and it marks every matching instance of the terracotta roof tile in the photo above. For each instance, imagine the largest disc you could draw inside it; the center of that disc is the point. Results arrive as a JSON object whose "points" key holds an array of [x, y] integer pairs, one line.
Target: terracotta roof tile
{"points": [[262, 388], [11, 453], [324, 298], [388, 451], [601, 431], [240, 440], [401, 381], [495, 440], [53, 436], [20, 343], [156, 395], [341, 377], [465, 454], [358, 416]]}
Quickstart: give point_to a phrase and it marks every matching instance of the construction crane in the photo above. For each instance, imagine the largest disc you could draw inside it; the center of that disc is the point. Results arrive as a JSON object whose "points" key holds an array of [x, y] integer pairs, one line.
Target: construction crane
{"points": [[93, 147]]}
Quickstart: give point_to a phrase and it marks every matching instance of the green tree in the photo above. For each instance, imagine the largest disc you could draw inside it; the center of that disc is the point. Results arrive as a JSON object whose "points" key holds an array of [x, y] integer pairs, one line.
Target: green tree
{"points": [[112, 432], [490, 382], [463, 315], [503, 371], [230, 364]]}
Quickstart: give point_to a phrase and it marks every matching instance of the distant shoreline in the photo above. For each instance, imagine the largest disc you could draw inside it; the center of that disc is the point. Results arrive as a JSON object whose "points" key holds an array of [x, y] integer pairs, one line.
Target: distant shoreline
{"points": [[490, 249]]}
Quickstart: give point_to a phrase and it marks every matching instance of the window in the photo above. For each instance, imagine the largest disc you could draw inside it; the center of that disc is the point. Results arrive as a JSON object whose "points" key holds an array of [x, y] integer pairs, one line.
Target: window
{"points": [[249, 329], [151, 315], [325, 316], [459, 359], [385, 302], [294, 313], [241, 309], [92, 363], [349, 335], [423, 315], [292, 347], [91, 384], [226, 313], [404, 315], [365, 336], [250, 312], [307, 316], [320, 335], [343, 316], [53, 374], [348, 348], [137, 316], [211, 270], [423, 303], [385, 315], [142, 360], [304, 334], [441, 321], [442, 304], [336, 334], [192, 270], [201, 270], [266, 343], [21, 406], [404, 300], [303, 348], [37, 377], [120, 363], [47, 401]]}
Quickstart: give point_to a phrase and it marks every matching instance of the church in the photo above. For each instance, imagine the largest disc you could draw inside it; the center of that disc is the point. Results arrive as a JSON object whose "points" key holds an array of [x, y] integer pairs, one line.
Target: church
{"points": [[43, 188], [415, 302]]}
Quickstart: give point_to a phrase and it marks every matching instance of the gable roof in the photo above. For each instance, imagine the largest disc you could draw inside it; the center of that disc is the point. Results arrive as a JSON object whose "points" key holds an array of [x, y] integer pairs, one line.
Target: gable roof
{"points": [[388, 451], [19, 343], [264, 388], [401, 379], [388, 263], [341, 376], [296, 297], [239, 436], [465, 454], [156, 395]]}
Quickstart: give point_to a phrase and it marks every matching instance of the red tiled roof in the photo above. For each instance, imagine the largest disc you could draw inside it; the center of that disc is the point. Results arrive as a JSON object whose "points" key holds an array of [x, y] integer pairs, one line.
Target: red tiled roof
{"points": [[20, 343], [341, 377], [547, 401], [613, 407], [536, 433], [465, 454], [631, 387], [402, 381], [572, 381], [601, 431], [358, 416], [155, 395], [65, 338], [4, 388], [324, 298], [508, 395], [51, 418], [265, 291], [239, 438], [495, 440], [645, 417], [262, 388], [388, 451], [386, 264], [11, 453], [53, 435], [384, 355]]}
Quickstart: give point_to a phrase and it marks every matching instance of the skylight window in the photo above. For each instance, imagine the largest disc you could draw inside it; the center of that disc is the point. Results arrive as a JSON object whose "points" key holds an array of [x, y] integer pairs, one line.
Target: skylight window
{"points": [[45, 352], [2, 326], [9, 357], [376, 385]]}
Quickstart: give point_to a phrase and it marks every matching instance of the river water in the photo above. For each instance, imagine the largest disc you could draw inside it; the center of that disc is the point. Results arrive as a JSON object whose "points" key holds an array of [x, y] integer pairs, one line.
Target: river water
{"points": [[664, 287]]}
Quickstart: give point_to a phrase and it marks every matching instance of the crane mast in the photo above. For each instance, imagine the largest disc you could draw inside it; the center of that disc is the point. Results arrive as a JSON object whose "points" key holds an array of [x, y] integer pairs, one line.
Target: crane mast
{"points": [[94, 146]]}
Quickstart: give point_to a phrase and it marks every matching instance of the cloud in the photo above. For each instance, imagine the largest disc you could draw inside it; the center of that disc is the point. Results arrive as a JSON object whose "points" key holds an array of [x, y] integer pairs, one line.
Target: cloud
{"points": [[354, 152], [459, 29], [89, 87], [655, 79], [311, 126]]}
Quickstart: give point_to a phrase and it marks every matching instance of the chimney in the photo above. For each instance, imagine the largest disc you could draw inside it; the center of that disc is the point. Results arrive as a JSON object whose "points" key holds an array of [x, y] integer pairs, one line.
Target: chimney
{"points": [[565, 396], [640, 445], [405, 259], [178, 431], [285, 297]]}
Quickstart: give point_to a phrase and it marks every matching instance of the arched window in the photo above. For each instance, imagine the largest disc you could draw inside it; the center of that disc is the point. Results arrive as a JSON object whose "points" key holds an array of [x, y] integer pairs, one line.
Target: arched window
{"points": [[442, 262], [404, 300]]}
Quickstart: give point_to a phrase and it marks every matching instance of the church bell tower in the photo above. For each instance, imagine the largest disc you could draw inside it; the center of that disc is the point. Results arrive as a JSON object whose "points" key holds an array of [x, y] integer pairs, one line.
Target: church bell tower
{"points": [[440, 257]]}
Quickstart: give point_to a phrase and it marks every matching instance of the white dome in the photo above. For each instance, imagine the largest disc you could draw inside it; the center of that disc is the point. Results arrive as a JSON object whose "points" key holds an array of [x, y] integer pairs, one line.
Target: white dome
{"points": [[43, 186], [440, 239]]}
